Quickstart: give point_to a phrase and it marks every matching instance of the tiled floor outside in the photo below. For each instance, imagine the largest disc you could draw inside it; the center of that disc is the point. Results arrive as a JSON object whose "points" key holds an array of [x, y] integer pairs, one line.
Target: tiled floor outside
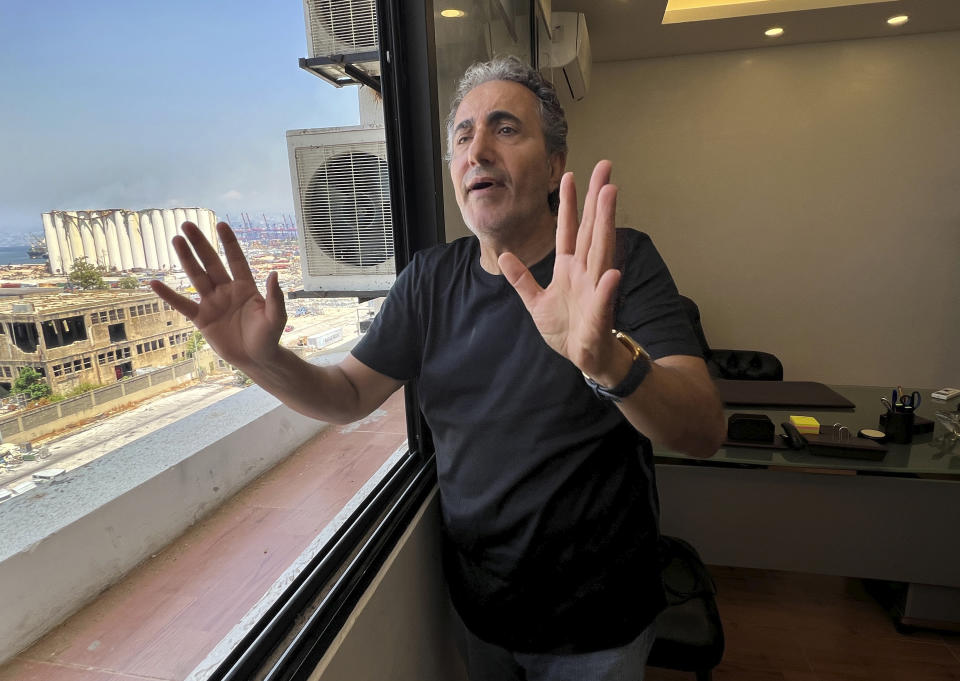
{"points": [[162, 619]]}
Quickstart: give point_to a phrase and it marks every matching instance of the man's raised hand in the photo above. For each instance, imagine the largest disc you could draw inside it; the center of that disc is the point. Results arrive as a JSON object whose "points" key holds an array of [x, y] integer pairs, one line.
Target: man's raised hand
{"points": [[241, 325], [575, 312]]}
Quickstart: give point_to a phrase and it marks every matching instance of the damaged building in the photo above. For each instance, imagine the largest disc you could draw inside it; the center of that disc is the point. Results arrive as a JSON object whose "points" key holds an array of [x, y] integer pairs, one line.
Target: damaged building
{"points": [[88, 337]]}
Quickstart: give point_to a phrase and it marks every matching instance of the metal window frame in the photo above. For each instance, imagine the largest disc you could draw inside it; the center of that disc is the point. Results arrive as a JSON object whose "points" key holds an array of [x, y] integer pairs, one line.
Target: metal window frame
{"points": [[409, 86]]}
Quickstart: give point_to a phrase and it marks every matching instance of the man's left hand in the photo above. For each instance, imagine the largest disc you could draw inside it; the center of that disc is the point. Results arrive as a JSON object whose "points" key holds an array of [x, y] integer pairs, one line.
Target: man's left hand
{"points": [[574, 314]]}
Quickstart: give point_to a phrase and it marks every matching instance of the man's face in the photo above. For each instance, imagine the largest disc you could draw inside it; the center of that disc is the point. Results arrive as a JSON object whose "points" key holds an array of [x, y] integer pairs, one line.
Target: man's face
{"points": [[500, 168]]}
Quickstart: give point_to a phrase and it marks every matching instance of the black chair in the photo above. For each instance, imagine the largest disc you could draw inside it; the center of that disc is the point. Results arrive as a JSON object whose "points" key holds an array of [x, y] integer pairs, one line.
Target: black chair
{"points": [[689, 631], [733, 364]]}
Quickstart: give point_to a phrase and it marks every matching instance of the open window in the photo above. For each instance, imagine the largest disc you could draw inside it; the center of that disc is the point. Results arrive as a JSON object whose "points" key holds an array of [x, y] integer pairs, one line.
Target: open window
{"points": [[118, 332]]}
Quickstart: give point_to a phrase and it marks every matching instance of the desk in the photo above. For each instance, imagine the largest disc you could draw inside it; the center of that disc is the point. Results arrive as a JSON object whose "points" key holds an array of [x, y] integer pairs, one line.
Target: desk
{"points": [[894, 519]]}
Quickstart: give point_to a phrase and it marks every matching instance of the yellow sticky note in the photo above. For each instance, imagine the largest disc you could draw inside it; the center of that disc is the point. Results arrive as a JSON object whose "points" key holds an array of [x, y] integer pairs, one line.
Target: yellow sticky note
{"points": [[806, 424]]}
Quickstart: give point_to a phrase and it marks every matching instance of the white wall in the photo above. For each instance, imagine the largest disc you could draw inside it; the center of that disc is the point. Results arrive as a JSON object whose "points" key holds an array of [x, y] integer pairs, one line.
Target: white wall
{"points": [[403, 628], [806, 197]]}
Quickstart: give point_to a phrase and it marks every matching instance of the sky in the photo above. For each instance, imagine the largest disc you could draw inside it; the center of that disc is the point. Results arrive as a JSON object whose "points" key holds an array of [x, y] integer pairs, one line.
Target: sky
{"points": [[134, 104]]}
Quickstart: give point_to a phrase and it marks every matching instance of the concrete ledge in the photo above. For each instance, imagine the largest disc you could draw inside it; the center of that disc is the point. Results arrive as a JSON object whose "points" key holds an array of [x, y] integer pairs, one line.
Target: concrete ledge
{"points": [[65, 542]]}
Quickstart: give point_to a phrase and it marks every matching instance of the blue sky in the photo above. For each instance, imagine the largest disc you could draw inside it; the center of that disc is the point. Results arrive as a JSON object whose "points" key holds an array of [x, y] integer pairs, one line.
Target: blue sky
{"points": [[133, 104]]}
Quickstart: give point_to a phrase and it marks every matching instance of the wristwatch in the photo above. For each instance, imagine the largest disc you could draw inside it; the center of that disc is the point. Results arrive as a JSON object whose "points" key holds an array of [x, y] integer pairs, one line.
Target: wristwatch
{"points": [[638, 371]]}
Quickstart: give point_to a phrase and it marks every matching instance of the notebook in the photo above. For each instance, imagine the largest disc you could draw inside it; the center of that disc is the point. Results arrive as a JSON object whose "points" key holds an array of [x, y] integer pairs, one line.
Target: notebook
{"points": [[780, 394]]}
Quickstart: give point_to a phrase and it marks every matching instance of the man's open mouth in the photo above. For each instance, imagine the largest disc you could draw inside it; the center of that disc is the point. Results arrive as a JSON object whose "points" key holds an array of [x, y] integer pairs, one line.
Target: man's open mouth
{"points": [[483, 183]]}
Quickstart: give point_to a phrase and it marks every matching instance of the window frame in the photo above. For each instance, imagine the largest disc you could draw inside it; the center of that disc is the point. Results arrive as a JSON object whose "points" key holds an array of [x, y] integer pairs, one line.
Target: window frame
{"points": [[414, 157]]}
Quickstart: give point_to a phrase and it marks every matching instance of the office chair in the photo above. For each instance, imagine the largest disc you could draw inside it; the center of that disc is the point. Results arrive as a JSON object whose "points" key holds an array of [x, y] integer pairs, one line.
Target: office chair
{"points": [[689, 631], [733, 364]]}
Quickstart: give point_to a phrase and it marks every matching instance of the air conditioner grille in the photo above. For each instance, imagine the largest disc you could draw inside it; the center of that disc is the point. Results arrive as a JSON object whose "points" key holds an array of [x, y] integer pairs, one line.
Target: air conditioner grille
{"points": [[345, 200], [342, 27]]}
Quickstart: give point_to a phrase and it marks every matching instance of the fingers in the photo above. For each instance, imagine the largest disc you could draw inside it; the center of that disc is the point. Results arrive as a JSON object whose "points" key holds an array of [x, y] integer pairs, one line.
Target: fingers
{"points": [[275, 310], [197, 275], [600, 257], [184, 306], [520, 278], [599, 178], [237, 261], [605, 292], [207, 254], [567, 216]]}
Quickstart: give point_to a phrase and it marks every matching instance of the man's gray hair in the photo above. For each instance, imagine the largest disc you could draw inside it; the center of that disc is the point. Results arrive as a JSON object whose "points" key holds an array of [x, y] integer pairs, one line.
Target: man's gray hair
{"points": [[553, 122]]}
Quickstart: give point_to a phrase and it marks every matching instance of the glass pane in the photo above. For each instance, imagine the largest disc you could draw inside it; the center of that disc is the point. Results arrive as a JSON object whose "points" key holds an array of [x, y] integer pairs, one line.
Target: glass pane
{"points": [[473, 31], [217, 95]]}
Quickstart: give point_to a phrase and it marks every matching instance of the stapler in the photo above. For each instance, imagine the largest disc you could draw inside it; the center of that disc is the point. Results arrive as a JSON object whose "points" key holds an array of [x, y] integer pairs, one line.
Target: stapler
{"points": [[793, 437]]}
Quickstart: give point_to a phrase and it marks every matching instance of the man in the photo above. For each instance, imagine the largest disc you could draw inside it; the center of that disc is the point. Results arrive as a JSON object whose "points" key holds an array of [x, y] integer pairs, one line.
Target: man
{"points": [[541, 415]]}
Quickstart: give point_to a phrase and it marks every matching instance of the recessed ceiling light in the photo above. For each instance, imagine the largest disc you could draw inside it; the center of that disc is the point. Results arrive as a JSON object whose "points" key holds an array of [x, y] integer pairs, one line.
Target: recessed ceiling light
{"points": [[898, 20], [452, 13], [774, 32]]}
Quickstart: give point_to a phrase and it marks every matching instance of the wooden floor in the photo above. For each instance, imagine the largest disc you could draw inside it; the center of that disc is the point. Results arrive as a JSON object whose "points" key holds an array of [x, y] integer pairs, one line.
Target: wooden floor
{"points": [[784, 626]]}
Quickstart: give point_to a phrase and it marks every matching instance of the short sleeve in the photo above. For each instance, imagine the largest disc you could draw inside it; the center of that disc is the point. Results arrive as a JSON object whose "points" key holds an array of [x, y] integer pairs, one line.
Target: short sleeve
{"points": [[392, 344], [648, 303]]}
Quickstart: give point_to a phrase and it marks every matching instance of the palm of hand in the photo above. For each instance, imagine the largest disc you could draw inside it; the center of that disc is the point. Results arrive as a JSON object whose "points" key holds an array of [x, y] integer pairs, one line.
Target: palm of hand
{"points": [[233, 318], [571, 314], [574, 314], [241, 325]]}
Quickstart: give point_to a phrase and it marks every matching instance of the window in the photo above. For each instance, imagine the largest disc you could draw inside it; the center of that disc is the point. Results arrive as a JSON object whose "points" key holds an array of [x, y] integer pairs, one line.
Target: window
{"points": [[67, 369], [114, 362], [57, 369], [77, 365], [86, 363], [118, 332]]}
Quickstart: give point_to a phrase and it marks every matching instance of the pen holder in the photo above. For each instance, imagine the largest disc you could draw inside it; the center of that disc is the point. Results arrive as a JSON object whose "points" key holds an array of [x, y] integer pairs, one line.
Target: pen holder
{"points": [[899, 427]]}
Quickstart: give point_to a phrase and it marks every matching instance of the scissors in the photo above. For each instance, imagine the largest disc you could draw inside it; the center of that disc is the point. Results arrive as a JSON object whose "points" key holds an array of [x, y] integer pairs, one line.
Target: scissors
{"points": [[911, 401], [886, 403]]}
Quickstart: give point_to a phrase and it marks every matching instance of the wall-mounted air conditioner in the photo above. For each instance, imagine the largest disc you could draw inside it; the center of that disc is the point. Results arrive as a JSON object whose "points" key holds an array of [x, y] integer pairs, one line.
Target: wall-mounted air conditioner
{"points": [[342, 41], [341, 192], [570, 51]]}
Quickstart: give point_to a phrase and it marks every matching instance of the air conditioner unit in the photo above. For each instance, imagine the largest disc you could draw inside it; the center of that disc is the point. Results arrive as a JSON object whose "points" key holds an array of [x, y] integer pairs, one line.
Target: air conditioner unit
{"points": [[570, 51], [342, 41], [341, 192]]}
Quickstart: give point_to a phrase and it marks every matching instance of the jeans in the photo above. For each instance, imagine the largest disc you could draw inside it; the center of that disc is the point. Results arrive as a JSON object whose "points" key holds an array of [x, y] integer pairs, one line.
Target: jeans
{"points": [[488, 662]]}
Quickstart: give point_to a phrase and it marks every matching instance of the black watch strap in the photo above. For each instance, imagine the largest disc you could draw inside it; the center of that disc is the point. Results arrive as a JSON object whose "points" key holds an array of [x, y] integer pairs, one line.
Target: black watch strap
{"points": [[638, 371]]}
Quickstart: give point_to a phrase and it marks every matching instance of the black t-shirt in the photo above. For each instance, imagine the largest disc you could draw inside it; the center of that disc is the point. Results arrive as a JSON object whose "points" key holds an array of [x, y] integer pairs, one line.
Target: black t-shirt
{"points": [[548, 495]]}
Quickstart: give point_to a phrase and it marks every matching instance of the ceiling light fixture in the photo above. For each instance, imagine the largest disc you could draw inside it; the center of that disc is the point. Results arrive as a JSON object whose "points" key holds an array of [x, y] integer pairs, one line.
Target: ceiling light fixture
{"points": [[774, 32], [898, 20], [452, 13]]}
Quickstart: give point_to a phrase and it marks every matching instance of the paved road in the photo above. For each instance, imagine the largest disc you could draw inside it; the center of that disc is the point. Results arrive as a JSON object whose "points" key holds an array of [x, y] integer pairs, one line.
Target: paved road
{"points": [[94, 440]]}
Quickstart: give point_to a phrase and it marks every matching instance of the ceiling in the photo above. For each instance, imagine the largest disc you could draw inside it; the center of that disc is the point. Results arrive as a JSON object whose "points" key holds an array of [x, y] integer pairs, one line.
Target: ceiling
{"points": [[635, 29]]}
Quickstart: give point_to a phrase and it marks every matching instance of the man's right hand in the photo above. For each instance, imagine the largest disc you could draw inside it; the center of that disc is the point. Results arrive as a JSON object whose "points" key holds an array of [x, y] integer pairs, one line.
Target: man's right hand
{"points": [[244, 328], [241, 325]]}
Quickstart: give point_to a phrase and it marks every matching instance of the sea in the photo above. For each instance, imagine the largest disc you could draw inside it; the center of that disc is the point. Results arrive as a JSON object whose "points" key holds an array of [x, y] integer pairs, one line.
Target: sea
{"points": [[17, 255]]}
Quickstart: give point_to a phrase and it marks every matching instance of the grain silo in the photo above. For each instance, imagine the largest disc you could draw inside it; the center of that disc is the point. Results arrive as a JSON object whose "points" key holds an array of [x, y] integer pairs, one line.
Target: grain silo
{"points": [[119, 239]]}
